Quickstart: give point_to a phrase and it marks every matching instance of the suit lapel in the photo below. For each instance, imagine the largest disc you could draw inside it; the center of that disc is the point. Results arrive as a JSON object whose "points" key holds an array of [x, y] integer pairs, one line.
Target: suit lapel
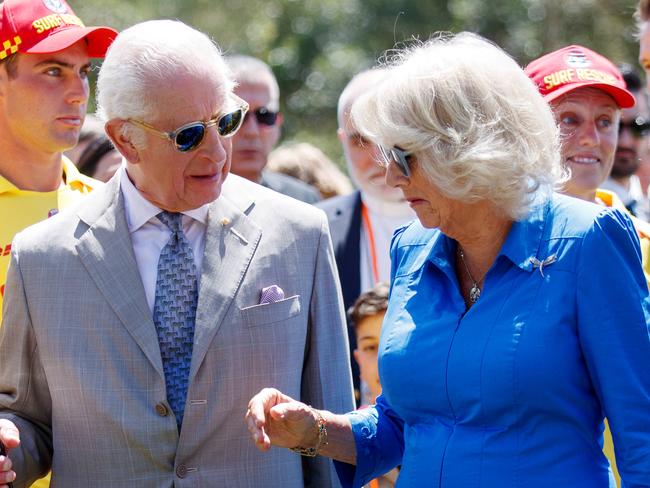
{"points": [[230, 243], [106, 251]]}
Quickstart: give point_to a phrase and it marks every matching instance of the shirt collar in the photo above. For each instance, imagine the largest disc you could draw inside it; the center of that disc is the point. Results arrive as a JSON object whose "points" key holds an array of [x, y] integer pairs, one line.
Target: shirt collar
{"points": [[6, 186], [525, 237], [72, 178], [139, 210], [521, 245]]}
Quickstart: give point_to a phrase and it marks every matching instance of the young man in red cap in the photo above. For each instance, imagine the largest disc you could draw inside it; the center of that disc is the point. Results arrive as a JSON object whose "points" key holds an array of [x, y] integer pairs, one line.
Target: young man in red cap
{"points": [[587, 93], [45, 56], [45, 53]]}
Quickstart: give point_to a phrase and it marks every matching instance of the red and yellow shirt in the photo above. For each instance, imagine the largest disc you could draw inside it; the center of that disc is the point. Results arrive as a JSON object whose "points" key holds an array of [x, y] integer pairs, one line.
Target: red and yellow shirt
{"points": [[20, 209]]}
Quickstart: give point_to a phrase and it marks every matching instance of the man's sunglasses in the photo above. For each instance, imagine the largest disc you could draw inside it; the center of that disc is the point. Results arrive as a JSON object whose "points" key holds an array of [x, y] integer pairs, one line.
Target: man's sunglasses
{"points": [[399, 156], [639, 127], [189, 136], [263, 116]]}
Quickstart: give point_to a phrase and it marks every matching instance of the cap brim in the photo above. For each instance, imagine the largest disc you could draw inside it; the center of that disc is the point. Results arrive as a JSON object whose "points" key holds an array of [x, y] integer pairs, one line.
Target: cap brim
{"points": [[99, 39], [623, 98]]}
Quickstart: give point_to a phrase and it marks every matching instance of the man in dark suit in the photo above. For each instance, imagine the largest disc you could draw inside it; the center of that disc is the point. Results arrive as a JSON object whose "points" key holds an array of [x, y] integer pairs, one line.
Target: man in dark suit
{"points": [[260, 132], [362, 223]]}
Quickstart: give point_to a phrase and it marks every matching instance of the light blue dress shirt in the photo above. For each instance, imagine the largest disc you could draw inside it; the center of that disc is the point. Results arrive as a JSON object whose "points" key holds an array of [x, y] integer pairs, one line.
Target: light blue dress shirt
{"points": [[512, 393]]}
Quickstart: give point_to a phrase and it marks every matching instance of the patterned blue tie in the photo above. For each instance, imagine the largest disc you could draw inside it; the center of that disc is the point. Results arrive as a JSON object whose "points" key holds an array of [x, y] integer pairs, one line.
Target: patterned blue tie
{"points": [[174, 311]]}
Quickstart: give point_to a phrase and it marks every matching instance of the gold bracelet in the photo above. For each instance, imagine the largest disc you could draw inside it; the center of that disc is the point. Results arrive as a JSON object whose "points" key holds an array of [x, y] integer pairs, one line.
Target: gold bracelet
{"points": [[322, 439]]}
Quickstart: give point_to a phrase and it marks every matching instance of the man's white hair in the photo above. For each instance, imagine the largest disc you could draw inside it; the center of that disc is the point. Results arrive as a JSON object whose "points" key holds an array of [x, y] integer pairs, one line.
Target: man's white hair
{"points": [[149, 55], [254, 71], [474, 121], [357, 86]]}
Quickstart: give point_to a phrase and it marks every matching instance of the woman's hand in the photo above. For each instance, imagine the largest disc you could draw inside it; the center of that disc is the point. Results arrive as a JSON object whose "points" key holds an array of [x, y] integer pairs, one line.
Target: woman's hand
{"points": [[274, 418]]}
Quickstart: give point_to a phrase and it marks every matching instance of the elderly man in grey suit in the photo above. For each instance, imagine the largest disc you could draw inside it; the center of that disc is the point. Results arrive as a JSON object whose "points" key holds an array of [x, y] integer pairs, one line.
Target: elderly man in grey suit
{"points": [[137, 326]]}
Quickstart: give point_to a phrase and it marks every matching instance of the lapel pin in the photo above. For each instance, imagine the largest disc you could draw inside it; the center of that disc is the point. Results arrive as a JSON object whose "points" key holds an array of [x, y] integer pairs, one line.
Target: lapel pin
{"points": [[243, 240], [225, 221], [540, 264]]}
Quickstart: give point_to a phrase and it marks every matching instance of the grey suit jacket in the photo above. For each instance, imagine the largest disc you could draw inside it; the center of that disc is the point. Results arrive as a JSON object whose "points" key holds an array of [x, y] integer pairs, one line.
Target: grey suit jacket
{"points": [[80, 367]]}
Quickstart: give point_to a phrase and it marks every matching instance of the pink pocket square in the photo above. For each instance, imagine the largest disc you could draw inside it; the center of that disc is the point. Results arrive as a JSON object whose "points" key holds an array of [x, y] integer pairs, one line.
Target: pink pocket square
{"points": [[271, 294]]}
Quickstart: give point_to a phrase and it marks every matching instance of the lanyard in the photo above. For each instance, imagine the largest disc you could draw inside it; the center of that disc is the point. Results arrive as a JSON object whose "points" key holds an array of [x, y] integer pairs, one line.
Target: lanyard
{"points": [[371, 240]]}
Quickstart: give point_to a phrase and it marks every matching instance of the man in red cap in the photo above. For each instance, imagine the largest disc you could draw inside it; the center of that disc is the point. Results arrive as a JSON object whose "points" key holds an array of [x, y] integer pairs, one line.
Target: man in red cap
{"points": [[587, 92], [45, 52]]}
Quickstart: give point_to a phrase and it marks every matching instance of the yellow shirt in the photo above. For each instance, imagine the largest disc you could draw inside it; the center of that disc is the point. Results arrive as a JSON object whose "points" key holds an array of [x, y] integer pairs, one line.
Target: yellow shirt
{"points": [[20, 209], [642, 228]]}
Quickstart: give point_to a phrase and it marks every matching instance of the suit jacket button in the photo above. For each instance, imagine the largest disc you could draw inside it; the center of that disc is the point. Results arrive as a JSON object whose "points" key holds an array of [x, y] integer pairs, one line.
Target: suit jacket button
{"points": [[162, 409], [181, 471]]}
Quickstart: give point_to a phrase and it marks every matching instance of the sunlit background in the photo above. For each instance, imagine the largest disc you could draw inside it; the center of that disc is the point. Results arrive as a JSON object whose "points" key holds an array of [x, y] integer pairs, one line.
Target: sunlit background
{"points": [[315, 46]]}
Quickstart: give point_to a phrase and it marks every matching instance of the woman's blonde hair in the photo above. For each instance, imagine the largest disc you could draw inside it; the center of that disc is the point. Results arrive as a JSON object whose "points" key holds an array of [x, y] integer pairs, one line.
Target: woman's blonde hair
{"points": [[474, 121]]}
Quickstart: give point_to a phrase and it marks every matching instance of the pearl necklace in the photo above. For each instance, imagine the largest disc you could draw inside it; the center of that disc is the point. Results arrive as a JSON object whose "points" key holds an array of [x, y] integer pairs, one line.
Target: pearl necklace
{"points": [[475, 291]]}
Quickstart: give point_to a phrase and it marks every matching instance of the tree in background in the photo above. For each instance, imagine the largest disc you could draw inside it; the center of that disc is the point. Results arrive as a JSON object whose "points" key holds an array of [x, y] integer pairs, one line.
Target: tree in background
{"points": [[316, 46]]}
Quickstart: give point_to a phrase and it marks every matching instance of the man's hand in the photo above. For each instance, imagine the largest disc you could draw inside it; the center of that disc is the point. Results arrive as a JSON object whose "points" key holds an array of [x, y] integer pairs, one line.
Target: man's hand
{"points": [[10, 439], [273, 418]]}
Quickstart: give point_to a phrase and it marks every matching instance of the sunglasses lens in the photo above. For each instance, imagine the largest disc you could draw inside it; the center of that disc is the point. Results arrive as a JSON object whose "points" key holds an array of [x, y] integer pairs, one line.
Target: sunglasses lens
{"points": [[265, 117], [403, 165], [190, 137], [398, 156], [230, 123], [401, 158], [640, 129]]}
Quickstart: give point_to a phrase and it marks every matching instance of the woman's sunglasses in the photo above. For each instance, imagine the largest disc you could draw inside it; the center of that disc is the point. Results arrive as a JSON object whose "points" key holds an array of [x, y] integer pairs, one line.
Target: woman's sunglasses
{"points": [[399, 156], [189, 136], [639, 127]]}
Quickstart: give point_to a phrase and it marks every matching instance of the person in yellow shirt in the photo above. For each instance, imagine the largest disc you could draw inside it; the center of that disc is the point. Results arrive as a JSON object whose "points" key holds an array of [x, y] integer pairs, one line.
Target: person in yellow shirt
{"points": [[45, 52], [587, 93]]}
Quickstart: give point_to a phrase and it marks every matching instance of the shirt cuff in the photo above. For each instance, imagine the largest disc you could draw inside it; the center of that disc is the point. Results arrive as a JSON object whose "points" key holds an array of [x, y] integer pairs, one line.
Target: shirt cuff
{"points": [[364, 428]]}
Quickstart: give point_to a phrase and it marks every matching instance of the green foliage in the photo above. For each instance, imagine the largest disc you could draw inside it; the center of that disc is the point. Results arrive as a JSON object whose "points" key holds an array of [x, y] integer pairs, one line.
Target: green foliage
{"points": [[316, 46]]}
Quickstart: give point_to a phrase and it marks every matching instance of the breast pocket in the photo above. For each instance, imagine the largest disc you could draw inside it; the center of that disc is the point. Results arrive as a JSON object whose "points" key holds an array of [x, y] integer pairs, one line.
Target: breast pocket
{"points": [[269, 313]]}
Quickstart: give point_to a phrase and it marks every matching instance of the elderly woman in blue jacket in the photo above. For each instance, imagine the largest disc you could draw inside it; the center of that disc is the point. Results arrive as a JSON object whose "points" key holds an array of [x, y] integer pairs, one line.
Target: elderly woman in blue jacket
{"points": [[518, 317]]}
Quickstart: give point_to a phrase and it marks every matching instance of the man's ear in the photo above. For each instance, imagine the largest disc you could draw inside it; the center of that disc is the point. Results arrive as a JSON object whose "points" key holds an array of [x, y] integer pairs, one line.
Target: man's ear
{"points": [[118, 130]]}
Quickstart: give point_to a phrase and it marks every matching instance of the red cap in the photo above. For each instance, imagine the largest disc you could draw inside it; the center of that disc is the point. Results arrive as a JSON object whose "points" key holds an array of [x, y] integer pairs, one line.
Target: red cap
{"points": [[574, 67], [47, 26]]}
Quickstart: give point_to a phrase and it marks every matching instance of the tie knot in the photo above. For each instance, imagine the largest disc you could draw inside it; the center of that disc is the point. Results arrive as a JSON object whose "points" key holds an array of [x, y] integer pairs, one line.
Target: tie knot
{"points": [[171, 220]]}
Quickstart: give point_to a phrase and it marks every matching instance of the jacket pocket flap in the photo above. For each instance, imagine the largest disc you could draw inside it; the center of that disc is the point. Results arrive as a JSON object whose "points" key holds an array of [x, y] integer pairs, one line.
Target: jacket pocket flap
{"points": [[268, 313]]}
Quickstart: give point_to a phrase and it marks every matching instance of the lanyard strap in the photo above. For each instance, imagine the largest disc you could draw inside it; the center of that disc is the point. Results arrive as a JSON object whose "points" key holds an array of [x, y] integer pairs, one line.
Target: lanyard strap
{"points": [[371, 241]]}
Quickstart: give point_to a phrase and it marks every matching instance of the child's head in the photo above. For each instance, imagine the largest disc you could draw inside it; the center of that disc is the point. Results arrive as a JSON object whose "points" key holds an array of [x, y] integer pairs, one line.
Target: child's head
{"points": [[366, 316]]}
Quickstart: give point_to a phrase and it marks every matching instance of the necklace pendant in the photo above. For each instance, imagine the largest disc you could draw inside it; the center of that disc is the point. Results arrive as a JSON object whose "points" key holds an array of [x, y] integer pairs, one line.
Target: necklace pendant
{"points": [[474, 293]]}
